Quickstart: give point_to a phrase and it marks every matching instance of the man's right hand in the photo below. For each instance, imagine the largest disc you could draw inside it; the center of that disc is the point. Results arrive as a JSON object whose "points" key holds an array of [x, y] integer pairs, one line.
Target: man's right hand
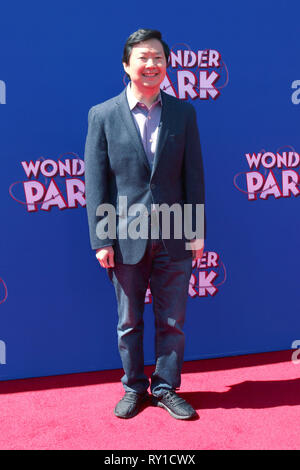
{"points": [[105, 257]]}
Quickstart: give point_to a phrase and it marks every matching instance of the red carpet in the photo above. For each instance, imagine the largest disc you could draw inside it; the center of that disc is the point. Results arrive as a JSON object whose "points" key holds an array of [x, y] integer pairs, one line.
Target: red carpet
{"points": [[244, 402]]}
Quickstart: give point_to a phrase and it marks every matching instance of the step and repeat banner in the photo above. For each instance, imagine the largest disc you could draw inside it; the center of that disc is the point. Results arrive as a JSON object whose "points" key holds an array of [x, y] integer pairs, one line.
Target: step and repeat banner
{"points": [[237, 63]]}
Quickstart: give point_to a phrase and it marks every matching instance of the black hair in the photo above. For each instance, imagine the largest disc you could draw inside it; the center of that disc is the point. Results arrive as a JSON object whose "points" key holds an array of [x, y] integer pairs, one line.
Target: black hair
{"points": [[143, 35]]}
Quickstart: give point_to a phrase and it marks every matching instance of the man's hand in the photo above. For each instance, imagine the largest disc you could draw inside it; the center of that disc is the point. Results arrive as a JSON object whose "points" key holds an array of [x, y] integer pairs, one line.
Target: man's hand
{"points": [[197, 247], [105, 257]]}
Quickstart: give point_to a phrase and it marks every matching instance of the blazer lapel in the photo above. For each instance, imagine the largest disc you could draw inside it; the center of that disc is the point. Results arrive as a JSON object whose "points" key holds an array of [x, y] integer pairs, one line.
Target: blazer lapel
{"points": [[163, 131], [131, 128]]}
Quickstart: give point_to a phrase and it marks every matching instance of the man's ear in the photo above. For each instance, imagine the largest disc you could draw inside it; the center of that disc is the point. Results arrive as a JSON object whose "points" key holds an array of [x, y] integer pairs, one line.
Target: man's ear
{"points": [[126, 67]]}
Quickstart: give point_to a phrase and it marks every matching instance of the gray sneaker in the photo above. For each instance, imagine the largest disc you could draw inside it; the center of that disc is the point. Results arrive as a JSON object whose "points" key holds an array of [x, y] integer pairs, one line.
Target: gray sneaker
{"points": [[131, 404], [175, 405]]}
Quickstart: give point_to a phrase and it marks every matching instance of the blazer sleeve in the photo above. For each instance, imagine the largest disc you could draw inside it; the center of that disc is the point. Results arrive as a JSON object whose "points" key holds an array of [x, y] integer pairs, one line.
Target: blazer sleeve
{"points": [[96, 175], [194, 174]]}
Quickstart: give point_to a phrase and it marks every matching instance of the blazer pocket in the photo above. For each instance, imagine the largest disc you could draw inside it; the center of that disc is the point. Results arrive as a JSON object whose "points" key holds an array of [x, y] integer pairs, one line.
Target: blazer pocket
{"points": [[175, 138], [175, 142]]}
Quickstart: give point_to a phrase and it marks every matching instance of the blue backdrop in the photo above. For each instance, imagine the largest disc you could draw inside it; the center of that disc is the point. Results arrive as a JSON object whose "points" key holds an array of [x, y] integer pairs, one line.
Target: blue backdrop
{"points": [[58, 311]]}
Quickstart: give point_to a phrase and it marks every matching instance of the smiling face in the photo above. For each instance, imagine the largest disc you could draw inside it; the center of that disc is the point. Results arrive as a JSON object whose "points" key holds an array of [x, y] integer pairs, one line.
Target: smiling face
{"points": [[147, 66]]}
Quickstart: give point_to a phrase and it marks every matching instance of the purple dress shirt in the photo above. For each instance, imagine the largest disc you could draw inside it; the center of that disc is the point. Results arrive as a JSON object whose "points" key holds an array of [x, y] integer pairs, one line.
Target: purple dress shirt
{"points": [[147, 122]]}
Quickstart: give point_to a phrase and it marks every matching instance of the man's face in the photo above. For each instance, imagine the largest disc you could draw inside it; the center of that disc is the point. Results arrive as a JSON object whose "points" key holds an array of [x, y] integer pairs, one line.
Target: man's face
{"points": [[147, 64]]}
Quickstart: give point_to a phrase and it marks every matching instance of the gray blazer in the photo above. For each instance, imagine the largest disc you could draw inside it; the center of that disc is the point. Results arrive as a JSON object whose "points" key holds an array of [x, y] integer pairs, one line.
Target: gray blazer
{"points": [[116, 165]]}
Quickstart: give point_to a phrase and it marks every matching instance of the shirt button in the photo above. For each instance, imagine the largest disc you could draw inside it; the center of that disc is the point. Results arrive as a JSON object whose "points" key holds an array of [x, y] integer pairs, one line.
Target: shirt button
{"points": [[149, 117], [152, 186], [150, 140]]}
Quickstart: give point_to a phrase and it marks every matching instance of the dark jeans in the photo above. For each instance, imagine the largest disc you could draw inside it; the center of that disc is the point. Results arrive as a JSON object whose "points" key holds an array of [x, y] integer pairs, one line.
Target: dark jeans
{"points": [[169, 281]]}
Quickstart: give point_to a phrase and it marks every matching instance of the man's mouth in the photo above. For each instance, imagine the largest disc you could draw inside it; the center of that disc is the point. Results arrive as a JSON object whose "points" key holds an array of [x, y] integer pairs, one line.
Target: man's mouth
{"points": [[150, 74]]}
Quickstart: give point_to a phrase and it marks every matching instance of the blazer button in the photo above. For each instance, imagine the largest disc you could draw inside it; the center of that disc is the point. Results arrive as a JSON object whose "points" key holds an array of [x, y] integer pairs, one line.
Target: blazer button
{"points": [[152, 186]]}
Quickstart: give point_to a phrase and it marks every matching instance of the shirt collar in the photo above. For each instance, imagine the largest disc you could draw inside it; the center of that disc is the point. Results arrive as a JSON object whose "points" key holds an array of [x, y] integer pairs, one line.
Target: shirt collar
{"points": [[133, 101]]}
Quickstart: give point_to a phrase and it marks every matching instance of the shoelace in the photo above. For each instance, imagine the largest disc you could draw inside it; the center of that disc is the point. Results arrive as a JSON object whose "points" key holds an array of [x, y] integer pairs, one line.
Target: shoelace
{"points": [[173, 398]]}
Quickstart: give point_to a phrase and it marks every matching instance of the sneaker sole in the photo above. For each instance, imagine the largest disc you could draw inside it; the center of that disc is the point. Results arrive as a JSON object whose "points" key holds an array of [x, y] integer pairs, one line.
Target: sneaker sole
{"points": [[174, 415], [127, 417]]}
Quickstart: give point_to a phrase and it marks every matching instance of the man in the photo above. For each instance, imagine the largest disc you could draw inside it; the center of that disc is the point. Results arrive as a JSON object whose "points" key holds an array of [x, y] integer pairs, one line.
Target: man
{"points": [[143, 147]]}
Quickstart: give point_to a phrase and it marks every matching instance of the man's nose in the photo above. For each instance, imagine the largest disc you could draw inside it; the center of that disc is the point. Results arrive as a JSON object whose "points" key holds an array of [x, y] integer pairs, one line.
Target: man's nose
{"points": [[150, 62]]}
